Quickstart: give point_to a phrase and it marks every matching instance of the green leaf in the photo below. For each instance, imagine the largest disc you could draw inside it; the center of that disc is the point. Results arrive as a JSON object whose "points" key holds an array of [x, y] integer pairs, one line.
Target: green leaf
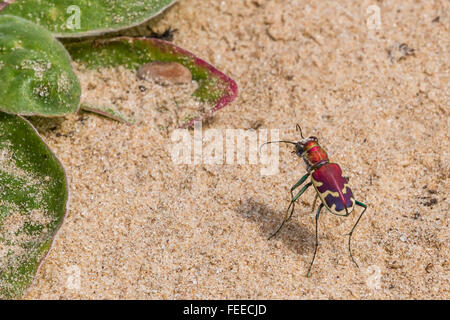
{"points": [[214, 88], [35, 71], [106, 112], [77, 18], [33, 196]]}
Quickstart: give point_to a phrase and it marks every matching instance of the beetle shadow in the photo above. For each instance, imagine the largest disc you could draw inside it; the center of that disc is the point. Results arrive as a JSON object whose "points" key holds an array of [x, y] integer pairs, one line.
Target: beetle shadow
{"points": [[295, 236]]}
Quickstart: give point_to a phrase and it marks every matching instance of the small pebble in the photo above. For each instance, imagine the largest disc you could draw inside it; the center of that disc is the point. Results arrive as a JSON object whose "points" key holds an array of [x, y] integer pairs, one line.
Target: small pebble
{"points": [[166, 72], [404, 163]]}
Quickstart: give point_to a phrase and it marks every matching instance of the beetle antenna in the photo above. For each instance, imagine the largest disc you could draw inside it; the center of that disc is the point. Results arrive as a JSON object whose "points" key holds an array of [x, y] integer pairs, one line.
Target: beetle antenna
{"points": [[279, 141], [300, 129]]}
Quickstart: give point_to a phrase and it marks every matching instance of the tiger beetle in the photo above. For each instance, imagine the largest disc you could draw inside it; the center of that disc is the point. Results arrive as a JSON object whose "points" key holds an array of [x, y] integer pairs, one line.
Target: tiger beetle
{"points": [[331, 187]]}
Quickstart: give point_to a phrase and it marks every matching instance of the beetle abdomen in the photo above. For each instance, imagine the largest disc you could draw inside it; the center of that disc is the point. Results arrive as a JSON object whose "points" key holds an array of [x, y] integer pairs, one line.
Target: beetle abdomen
{"points": [[333, 188]]}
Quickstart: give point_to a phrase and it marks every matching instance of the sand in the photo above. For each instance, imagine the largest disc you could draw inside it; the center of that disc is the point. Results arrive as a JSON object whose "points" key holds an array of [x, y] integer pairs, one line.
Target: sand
{"points": [[142, 227]]}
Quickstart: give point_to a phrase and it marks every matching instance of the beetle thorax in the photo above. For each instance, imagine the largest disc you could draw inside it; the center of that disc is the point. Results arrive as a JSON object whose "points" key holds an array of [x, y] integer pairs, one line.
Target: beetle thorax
{"points": [[314, 154]]}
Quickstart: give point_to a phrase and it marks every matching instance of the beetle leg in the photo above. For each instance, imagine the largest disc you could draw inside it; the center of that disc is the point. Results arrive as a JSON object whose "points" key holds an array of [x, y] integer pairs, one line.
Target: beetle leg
{"points": [[288, 216], [299, 183], [316, 244], [353, 229], [295, 186], [314, 203]]}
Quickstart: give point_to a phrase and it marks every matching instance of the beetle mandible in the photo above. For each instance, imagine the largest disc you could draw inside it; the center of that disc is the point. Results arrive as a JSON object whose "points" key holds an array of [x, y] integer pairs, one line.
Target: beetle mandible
{"points": [[331, 187]]}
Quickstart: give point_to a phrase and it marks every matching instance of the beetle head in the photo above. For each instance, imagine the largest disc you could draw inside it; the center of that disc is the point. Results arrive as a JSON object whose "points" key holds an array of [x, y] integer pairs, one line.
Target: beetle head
{"points": [[304, 145]]}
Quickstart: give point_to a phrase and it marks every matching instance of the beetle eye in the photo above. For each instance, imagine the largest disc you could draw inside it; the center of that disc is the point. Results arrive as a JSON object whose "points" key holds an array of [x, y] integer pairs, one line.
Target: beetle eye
{"points": [[299, 150], [314, 138]]}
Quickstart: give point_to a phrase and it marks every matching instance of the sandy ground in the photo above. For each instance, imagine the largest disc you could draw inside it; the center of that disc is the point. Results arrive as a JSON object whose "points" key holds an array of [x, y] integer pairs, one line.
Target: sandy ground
{"points": [[141, 227]]}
